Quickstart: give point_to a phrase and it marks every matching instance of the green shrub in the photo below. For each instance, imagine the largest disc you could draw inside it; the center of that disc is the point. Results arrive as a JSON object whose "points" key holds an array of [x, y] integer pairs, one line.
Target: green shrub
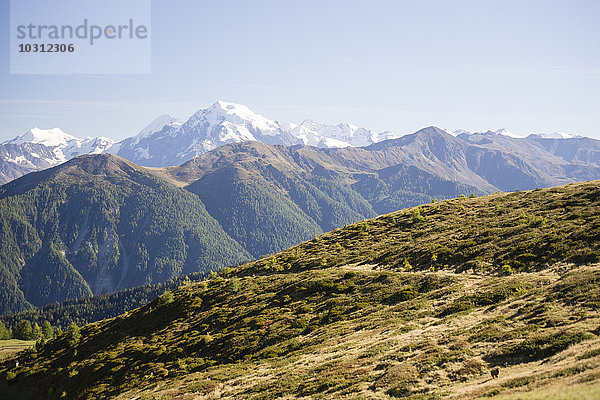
{"points": [[507, 269], [73, 334], [166, 298], [539, 347], [399, 378], [519, 382], [403, 295], [234, 285], [203, 386], [470, 367], [416, 215], [590, 354]]}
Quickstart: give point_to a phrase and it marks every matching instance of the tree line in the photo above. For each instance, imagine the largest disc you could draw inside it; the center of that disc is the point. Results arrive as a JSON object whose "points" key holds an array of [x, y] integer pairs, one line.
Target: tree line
{"points": [[52, 320]]}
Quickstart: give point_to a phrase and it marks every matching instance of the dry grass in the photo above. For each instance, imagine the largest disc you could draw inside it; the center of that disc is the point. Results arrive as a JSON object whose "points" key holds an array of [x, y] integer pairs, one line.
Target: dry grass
{"points": [[378, 361], [10, 348], [571, 392]]}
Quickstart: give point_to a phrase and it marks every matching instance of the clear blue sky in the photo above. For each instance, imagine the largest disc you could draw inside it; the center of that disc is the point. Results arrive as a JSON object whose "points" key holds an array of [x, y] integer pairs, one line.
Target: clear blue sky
{"points": [[529, 66]]}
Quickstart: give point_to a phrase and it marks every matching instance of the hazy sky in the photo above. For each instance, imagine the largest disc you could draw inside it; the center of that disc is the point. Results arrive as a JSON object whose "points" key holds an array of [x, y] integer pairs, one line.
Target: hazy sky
{"points": [[529, 66]]}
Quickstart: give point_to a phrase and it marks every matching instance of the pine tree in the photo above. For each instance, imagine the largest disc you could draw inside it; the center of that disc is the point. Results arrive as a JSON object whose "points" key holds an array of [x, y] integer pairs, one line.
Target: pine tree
{"points": [[4, 332], [37, 332], [47, 330], [73, 334], [23, 330]]}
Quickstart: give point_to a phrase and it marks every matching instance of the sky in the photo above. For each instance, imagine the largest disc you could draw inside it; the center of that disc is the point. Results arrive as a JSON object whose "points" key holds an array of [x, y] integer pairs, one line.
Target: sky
{"points": [[528, 66]]}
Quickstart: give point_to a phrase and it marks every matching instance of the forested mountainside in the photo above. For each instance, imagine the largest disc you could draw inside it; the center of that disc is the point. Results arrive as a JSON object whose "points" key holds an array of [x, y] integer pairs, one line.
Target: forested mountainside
{"points": [[98, 307], [97, 224], [418, 303]]}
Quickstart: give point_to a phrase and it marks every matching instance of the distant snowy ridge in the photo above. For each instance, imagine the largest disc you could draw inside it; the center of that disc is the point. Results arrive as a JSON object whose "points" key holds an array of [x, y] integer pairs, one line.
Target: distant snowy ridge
{"points": [[311, 133], [158, 124], [63, 145], [555, 135], [506, 132]]}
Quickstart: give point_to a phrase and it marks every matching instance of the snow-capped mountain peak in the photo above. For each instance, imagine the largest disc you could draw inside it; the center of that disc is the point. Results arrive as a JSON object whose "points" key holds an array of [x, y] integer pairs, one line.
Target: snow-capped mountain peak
{"points": [[62, 145], [235, 114], [48, 137], [88, 145], [38, 149], [506, 132], [158, 124]]}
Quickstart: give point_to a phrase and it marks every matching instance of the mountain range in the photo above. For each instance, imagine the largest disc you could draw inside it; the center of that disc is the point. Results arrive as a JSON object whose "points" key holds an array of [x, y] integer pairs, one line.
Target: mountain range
{"points": [[167, 141], [99, 223]]}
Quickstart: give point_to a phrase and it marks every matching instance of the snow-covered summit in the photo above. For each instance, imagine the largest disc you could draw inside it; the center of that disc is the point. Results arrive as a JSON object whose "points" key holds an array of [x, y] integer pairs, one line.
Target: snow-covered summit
{"points": [[235, 117], [48, 137], [506, 132], [63, 145], [158, 124]]}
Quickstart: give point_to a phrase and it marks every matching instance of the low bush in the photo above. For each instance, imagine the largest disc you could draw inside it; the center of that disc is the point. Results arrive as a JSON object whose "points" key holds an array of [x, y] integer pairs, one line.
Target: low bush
{"points": [[538, 347]]}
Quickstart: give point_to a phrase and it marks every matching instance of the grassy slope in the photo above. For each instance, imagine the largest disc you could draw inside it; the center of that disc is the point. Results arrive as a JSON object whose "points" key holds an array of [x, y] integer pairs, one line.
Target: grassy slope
{"points": [[360, 313], [8, 348], [524, 230]]}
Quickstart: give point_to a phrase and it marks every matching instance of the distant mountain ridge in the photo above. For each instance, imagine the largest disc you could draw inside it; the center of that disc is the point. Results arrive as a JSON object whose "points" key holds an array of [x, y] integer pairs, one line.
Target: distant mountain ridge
{"points": [[167, 141]]}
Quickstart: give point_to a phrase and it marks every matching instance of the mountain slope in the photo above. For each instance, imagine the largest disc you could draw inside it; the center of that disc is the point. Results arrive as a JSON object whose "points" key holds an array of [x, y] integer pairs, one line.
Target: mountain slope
{"points": [[535, 161], [577, 150], [96, 308], [271, 190], [272, 197], [365, 311], [97, 224]]}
